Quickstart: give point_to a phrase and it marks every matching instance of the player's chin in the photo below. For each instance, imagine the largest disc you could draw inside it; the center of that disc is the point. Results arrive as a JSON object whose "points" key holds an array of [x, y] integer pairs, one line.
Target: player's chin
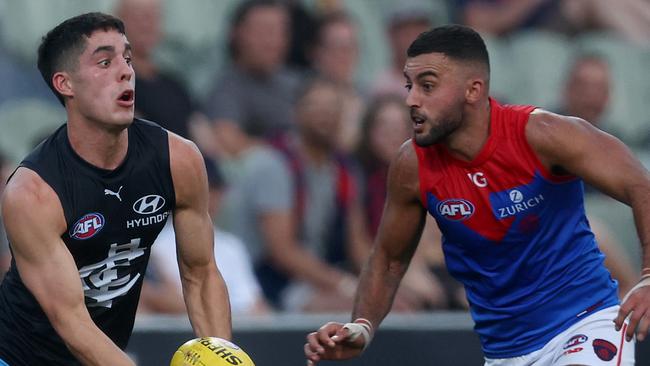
{"points": [[123, 118], [118, 123], [424, 139]]}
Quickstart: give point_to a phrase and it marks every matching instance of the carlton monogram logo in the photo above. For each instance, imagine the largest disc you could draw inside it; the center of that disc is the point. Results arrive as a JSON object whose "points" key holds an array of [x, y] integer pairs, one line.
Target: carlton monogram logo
{"points": [[111, 278], [149, 204]]}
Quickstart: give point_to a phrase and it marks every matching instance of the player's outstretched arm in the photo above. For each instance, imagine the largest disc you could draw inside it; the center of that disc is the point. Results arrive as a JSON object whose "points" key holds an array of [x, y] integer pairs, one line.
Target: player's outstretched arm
{"points": [[34, 221], [399, 232], [204, 290], [572, 145]]}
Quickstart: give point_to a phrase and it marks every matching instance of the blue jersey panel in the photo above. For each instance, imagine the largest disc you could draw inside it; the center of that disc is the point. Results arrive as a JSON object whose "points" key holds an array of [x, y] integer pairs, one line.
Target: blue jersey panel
{"points": [[545, 274]]}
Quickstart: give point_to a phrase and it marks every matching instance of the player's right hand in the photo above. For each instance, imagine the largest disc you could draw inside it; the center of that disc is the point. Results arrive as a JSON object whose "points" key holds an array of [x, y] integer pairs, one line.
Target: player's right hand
{"points": [[636, 308], [332, 342]]}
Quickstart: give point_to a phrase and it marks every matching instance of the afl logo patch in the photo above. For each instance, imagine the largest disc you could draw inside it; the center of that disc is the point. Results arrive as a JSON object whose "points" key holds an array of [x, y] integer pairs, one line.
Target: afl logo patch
{"points": [[87, 226], [455, 209], [148, 204], [576, 340]]}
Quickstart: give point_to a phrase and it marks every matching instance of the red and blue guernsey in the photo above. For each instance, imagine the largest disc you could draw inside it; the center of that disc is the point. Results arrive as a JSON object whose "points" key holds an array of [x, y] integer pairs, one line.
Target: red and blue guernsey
{"points": [[516, 236]]}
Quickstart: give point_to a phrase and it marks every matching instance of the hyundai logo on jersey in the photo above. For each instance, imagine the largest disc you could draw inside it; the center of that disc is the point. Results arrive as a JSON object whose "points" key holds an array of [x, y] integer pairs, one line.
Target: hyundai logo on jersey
{"points": [[87, 226], [455, 209], [148, 204]]}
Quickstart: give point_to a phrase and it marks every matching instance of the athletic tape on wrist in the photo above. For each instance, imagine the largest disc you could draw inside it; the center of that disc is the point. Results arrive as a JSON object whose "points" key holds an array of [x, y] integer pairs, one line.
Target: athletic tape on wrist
{"points": [[360, 327], [645, 281]]}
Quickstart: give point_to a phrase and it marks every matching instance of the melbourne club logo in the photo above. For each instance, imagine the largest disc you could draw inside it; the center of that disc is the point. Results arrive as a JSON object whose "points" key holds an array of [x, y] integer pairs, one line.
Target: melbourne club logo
{"points": [[455, 209], [605, 350], [149, 204], [87, 226]]}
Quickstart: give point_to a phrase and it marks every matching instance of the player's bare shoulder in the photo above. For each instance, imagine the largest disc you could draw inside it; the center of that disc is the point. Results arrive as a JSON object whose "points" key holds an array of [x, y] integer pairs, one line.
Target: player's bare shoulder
{"points": [[26, 196], [557, 138], [546, 128], [403, 177], [187, 167], [183, 153]]}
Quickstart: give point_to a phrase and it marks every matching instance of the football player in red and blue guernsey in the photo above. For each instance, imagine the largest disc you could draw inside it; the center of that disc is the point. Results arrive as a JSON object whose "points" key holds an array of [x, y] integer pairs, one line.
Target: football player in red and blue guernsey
{"points": [[504, 184]]}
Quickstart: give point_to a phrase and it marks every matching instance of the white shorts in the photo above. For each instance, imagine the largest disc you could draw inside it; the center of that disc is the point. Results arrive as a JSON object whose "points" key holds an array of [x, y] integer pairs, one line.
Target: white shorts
{"points": [[592, 341]]}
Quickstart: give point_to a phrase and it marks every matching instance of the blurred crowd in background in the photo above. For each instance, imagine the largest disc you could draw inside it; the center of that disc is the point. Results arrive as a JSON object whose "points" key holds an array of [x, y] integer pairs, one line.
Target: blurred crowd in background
{"points": [[298, 107]]}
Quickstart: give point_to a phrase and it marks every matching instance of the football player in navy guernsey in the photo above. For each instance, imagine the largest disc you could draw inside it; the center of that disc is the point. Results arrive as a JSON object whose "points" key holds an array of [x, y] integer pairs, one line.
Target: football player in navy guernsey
{"points": [[82, 210]]}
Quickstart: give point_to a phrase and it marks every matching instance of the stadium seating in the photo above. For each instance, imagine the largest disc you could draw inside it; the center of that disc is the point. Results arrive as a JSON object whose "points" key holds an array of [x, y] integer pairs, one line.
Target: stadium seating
{"points": [[24, 123], [627, 114], [541, 62]]}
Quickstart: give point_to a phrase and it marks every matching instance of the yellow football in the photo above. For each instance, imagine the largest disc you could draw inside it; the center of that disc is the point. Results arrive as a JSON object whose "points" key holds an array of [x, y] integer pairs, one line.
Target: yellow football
{"points": [[210, 351]]}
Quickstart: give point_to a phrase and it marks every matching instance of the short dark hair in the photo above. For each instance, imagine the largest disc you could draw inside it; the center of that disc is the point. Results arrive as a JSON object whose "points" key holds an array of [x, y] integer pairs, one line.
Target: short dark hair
{"points": [[456, 41], [61, 46]]}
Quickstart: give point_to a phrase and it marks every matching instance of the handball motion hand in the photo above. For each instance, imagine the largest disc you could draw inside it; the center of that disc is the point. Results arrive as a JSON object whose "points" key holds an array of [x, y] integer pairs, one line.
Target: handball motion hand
{"points": [[333, 341], [637, 302]]}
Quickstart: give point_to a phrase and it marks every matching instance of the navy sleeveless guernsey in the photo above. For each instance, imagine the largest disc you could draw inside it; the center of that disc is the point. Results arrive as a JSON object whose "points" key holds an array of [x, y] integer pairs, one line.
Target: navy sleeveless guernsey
{"points": [[113, 218]]}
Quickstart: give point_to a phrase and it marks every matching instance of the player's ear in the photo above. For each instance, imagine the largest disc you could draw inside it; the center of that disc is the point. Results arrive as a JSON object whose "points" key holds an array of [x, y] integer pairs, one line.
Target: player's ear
{"points": [[62, 83], [476, 87]]}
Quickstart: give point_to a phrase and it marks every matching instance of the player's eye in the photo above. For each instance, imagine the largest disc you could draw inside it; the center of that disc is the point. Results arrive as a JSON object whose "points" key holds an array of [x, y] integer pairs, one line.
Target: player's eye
{"points": [[105, 63]]}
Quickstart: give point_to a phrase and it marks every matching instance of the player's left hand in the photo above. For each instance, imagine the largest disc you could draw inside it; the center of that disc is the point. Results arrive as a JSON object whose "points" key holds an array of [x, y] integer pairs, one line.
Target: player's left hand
{"points": [[636, 305], [332, 341]]}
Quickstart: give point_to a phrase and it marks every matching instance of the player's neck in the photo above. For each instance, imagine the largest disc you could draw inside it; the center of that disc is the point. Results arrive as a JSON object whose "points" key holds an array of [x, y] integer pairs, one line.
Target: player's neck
{"points": [[469, 139], [100, 146]]}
